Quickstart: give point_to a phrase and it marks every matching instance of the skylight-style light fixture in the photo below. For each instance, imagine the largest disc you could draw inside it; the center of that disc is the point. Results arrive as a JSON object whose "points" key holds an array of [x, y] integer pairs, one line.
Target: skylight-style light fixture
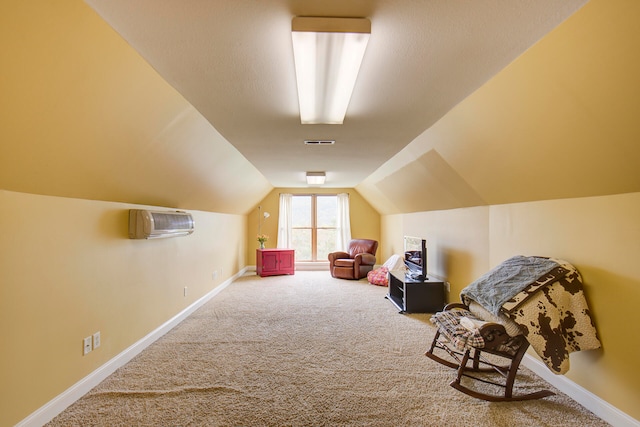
{"points": [[327, 53], [315, 178]]}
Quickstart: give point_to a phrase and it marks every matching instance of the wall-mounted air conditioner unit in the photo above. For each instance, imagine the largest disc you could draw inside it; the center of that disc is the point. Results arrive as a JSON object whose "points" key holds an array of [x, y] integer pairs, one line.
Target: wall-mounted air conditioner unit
{"points": [[146, 224]]}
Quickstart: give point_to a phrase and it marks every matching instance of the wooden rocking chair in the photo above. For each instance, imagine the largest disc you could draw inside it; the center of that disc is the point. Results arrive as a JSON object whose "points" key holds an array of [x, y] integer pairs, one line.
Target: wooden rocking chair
{"points": [[495, 341]]}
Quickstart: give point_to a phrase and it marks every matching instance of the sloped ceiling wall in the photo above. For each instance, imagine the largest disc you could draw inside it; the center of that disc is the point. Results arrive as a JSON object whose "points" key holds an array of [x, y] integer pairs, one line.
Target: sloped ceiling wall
{"points": [[84, 116], [559, 122]]}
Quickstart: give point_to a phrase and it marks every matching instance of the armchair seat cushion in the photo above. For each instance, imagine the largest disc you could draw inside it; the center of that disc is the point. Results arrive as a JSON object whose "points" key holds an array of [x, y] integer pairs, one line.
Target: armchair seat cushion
{"points": [[344, 262]]}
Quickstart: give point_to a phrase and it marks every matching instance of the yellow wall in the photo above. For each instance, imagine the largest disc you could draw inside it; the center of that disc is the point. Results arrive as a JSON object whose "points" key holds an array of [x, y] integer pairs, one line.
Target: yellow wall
{"points": [[365, 221], [69, 270], [599, 235]]}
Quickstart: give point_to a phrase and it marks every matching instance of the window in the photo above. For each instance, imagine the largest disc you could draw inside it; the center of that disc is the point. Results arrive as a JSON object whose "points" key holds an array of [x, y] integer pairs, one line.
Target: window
{"points": [[314, 226]]}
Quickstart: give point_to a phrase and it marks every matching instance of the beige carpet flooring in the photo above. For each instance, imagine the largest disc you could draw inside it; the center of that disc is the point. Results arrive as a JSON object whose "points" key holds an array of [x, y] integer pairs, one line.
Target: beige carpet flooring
{"points": [[302, 350]]}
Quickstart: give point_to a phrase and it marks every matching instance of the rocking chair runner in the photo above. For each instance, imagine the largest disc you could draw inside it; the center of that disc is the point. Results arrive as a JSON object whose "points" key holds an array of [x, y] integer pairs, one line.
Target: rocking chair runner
{"points": [[491, 338]]}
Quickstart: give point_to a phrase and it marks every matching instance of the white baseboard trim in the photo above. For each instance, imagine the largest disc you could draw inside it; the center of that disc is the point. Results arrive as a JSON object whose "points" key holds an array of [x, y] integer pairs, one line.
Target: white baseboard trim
{"points": [[61, 402], [312, 266], [593, 403]]}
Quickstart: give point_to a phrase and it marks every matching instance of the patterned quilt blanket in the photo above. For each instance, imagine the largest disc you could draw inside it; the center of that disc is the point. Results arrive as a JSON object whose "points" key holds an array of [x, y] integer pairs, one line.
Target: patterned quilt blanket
{"points": [[553, 314], [448, 323]]}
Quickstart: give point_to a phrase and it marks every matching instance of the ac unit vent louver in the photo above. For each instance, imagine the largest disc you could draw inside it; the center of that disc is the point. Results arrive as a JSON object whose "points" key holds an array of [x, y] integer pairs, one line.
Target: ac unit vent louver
{"points": [[146, 224]]}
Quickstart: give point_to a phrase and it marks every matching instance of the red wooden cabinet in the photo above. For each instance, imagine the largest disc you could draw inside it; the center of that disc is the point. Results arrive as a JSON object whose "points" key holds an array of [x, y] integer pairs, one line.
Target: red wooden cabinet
{"points": [[271, 262]]}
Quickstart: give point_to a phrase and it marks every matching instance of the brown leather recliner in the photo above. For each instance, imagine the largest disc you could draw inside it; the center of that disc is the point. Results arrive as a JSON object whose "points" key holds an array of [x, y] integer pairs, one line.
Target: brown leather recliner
{"points": [[357, 262]]}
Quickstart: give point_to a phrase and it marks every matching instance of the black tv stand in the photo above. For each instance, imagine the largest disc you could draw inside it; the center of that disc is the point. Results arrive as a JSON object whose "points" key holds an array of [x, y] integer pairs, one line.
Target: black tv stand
{"points": [[411, 295]]}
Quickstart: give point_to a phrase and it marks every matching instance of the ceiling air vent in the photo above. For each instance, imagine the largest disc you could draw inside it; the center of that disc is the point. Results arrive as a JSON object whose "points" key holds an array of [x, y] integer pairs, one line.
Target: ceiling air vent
{"points": [[319, 142]]}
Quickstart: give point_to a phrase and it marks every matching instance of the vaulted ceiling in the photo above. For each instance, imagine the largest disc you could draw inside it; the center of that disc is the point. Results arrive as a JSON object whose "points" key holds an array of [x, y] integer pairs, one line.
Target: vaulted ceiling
{"points": [[192, 104], [233, 60]]}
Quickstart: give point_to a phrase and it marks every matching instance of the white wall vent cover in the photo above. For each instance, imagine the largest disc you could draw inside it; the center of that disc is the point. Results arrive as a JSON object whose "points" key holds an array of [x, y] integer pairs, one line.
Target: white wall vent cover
{"points": [[146, 224]]}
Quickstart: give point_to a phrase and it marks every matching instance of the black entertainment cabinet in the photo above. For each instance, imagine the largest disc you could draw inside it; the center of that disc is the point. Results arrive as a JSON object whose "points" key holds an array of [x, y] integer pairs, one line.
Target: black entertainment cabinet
{"points": [[415, 296]]}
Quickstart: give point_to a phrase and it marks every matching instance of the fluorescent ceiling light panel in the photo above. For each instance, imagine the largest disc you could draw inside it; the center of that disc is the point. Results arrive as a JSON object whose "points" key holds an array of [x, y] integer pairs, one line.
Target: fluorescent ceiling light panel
{"points": [[327, 53], [319, 141], [315, 178]]}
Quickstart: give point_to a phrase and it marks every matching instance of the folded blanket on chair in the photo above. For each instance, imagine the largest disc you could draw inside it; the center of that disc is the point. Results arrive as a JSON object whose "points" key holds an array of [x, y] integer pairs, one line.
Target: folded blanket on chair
{"points": [[505, 281], [471, 324], [550, 310], [448, 323]]}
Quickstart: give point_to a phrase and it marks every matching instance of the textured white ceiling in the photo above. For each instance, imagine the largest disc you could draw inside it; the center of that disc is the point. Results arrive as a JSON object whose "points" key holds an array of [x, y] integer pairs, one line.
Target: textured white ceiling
{"points": [[233, 61]]}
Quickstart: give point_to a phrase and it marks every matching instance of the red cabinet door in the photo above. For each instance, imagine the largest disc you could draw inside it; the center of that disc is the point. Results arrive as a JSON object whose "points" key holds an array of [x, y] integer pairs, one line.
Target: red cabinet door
{"points": [[270, 262], [287, 262]]}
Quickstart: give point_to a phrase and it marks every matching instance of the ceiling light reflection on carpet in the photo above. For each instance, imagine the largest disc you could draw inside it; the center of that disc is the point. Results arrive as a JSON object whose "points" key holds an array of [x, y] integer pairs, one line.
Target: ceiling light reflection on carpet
{"points": [[315, 178], [327, 54]]}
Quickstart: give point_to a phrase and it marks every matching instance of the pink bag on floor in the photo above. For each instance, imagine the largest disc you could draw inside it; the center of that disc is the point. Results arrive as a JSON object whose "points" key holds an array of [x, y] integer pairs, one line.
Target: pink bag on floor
{"points": [[379, 276]]}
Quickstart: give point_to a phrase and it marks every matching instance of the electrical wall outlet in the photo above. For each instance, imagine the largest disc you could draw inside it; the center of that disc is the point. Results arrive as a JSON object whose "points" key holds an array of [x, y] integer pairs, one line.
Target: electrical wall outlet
{"points": [[96, 340], [186, 291], [86, 345], [215, 274]]}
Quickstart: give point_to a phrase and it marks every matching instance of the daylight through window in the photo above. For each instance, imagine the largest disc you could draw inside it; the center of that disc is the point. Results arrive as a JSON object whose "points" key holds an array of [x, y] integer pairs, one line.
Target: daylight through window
{"points": [[314, 226]]}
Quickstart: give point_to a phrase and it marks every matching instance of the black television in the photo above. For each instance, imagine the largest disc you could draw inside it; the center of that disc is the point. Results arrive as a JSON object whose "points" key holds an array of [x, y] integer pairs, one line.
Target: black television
{"points": [[415, 257]]}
